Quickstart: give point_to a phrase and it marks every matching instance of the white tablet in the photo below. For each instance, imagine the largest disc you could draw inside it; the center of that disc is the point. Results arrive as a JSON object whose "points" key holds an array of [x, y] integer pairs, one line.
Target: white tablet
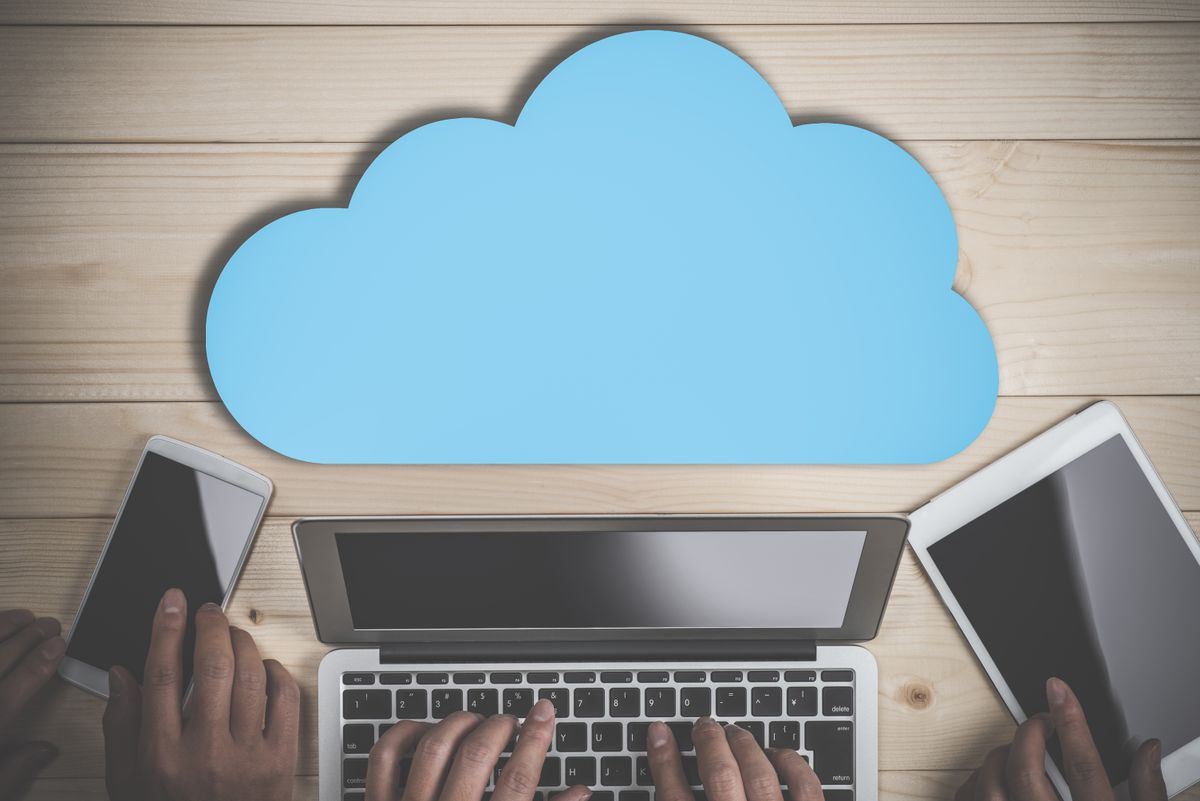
{"points": [[1069, 558]]}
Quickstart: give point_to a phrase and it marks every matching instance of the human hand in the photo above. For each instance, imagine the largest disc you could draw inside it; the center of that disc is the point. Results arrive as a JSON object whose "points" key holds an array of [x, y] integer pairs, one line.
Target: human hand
{"points": [[454, 760], [733, 766], [240, 738], [30, 651], [1017, 772]]}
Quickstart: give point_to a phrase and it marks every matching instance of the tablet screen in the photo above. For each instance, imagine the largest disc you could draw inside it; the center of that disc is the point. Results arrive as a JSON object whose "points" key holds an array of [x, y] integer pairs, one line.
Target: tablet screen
{"points": [[1084, 576]]}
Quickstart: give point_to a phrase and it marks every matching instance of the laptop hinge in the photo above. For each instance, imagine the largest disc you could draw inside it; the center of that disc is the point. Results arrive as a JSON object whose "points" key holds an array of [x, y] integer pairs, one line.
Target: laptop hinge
{"points": [[600, 651]]}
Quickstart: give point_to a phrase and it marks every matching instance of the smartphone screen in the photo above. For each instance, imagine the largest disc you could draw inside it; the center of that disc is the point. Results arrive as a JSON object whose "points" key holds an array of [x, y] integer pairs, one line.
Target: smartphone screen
{"points": [[179, 528]]}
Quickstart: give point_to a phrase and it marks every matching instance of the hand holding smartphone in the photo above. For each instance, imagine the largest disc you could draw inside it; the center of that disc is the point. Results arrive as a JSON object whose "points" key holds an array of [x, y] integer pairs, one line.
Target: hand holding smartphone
{"points": [[187, 521]]}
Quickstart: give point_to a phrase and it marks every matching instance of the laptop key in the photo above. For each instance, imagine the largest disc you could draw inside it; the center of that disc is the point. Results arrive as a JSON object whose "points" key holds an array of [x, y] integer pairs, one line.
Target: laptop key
{"points": [[828, 676], [660, 702], [366, 704], [802, 702], [832, 746], [637, 736], [469, 678], [358, 679], [357, 738], [445, 702], [766, 702], [579, 677], [653, 676], [606, 737], [589, 702], [395, 678], [642, 775], [571, 737], [838, 795], [411, 705], [615, 772], [354, 774], [785, 734], [731, 702], [603, 795], [683, 735], [691, 770], [551, 772], [561, 698], [800, 675], [483, 702], [757, 728], [726, 675], [624, 702], [838, 701], [616, 677], [518, 702], [695, 702], [763, 676], [545, 677], [506, 678], [634, 795], [689, 676], [433, 678], [580, 770]]}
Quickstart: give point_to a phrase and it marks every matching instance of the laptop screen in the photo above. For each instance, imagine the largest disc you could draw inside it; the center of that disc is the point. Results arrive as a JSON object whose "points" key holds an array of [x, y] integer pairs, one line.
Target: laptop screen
{"points": [[607, 579]]}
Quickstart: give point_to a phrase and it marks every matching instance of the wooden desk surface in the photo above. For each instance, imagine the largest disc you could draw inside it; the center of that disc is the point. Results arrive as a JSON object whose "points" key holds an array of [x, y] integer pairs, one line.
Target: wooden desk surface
{"points": [[140, 142]]}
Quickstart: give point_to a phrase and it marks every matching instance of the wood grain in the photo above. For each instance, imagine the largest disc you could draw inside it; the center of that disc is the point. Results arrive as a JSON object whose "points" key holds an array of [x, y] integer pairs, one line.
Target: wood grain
{"points": [[359, 84], [1083, 258], [511, 12], [74, 459]]}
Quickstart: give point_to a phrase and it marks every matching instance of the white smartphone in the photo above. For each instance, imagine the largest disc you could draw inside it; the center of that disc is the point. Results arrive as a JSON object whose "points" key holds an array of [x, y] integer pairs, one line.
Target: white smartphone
{"points": [[187, 521]]}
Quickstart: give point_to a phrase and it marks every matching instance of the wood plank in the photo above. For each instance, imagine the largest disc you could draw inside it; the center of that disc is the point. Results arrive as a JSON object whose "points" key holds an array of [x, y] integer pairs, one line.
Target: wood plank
{"points": [[357, 84], [463, 12], [74, 460], [937, 710], [1082, 257], [515, 12]]}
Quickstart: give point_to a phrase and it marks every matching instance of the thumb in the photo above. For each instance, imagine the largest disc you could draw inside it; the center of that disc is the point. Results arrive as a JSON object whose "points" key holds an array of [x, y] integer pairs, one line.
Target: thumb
{"points": [[122, 725], [19, 765], [1145, 774]]}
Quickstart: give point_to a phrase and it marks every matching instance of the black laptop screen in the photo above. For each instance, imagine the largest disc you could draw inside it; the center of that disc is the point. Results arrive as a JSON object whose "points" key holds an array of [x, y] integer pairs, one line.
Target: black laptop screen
{"points": [[621, 579]]}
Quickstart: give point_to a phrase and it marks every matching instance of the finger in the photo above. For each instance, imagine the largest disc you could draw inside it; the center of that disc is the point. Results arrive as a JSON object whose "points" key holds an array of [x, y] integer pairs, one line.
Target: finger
{"points": [[1145, 774], [1025, 772], [797, 774], [13, 620], [22, 683], [122, 724], [718, 769], [383, 766], [249, 688], [519, 779], [760, 782], [989, 783], [477, 757], [1082, 767], [576, 793], [212, 668], [161, 715], [283, 707], [432, 758], [666, 765], [13, 649], [19, 766], [967, 791]]}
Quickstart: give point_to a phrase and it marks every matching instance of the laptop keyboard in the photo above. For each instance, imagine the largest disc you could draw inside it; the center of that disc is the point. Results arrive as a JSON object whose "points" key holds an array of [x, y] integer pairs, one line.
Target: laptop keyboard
{"points": [[602, 718]]}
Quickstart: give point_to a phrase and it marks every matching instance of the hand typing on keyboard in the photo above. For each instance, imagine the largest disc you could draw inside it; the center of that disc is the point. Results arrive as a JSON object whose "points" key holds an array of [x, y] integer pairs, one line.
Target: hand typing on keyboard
{"points": [[240, 737], [30, 651], [1017, 772], [454, 760], [732, 764]]}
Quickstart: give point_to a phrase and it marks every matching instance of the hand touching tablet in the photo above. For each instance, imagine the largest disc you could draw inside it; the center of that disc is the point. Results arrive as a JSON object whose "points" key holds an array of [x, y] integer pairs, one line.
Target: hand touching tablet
{"points": [[1017, 772]]}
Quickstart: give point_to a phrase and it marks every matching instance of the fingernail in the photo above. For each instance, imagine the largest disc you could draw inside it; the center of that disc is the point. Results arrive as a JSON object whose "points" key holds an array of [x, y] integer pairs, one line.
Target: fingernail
{"points": [[53, 649], [116, 684], [1056, 691], [705, 721], [542, 711], [210, 607], [1156, 754], [48, 626], [657, 735], [172, 602]]}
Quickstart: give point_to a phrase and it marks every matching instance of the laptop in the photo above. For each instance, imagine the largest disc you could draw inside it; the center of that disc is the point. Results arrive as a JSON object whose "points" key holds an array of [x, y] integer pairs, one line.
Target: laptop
{"points": [[619, 621]]}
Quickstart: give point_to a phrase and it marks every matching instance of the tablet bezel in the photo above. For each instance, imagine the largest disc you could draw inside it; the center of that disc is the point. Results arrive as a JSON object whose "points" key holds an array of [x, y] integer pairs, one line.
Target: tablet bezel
{"points": [[1005, 478]]}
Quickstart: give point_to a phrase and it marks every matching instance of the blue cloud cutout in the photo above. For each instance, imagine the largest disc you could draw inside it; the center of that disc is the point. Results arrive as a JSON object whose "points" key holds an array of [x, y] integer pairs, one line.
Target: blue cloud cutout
{"points": [[651, 266]]}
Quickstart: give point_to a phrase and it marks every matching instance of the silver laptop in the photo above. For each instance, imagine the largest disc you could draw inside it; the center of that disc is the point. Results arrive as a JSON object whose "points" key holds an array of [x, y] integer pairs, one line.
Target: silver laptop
{"points": [[619, 621]]}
